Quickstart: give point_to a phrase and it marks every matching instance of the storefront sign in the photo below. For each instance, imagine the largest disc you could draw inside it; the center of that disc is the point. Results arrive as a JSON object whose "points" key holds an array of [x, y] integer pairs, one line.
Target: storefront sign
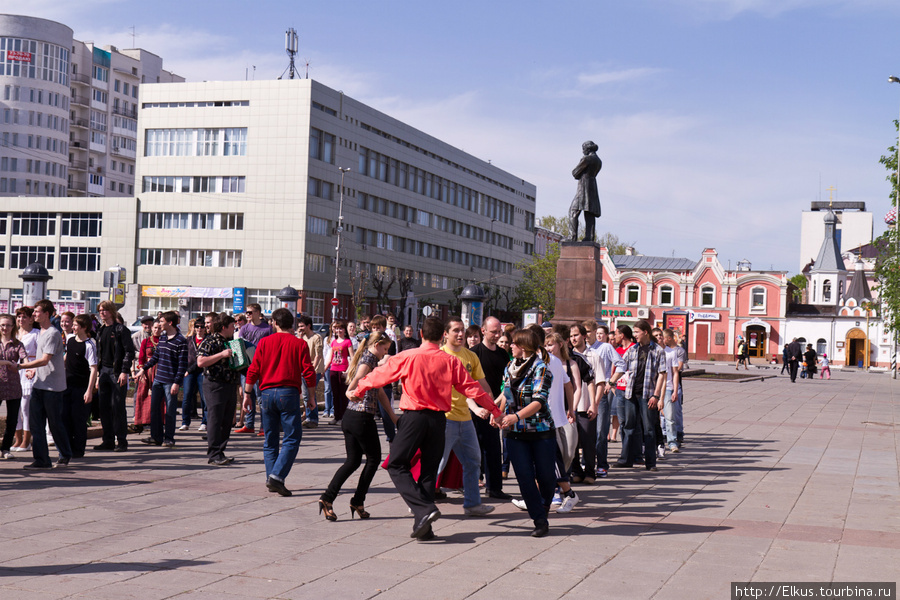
{"points": [[17, 55], [615, 313], [186, 292], [704, 316], [238, 303]]}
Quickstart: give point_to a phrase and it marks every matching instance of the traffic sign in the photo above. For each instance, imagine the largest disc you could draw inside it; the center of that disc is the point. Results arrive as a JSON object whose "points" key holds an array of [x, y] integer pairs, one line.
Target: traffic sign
{"points": [[335, 302], [427, 310]]}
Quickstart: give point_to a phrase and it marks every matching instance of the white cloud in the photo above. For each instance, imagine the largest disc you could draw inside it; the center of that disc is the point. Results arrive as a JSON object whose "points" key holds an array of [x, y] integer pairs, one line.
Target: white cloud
{"points": [[614, 76]]}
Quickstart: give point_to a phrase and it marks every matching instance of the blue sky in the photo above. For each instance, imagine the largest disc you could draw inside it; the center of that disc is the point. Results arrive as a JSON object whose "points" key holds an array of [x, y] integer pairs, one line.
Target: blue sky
{"points": [[718, 121]]}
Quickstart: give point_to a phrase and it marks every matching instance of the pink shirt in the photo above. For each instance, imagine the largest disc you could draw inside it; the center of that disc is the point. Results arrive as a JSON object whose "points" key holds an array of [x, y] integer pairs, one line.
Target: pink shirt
{"points": [[340, 354]]}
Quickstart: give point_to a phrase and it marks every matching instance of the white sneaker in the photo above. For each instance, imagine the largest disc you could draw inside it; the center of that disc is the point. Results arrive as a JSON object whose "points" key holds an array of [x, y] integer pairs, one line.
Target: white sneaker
{"points": [[520, 504], [479, 510], [202, 427], [183, 428], [557, 499], [661, 451], [568, 503], [8, 455]]}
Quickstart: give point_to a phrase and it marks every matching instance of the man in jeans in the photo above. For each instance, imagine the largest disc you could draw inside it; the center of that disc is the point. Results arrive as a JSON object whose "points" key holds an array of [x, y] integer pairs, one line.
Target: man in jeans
{"points": [[316, 354], [116, 352], [254, 331], [280, 366], [171, 356], [47, 395]]}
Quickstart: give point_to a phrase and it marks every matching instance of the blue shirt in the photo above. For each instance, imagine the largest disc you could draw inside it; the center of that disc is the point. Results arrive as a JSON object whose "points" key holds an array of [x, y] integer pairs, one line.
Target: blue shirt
{"points": [[171, 356]]}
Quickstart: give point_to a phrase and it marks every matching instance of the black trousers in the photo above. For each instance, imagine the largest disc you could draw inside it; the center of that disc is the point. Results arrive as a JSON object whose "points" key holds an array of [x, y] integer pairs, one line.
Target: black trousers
{"points": [[12, 418], [417, 430], [491, 454], [221, 400], [793, 367], [74, 417], [587, 442], [360, 438], [113, 417]]}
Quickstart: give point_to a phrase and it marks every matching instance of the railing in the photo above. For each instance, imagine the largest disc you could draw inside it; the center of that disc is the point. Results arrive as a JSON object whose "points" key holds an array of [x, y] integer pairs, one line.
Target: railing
{"points": [[78, 165], [79, 123], [80, 78], [81, 100]]}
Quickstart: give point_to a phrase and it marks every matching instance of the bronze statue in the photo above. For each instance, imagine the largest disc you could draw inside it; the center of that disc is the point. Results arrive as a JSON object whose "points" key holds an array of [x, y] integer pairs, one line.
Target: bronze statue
{"points": [[587, 200]]}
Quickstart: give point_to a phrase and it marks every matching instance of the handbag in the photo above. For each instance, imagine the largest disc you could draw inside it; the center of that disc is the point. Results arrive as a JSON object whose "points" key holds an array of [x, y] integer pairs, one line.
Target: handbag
{"points": [[567, 440]]}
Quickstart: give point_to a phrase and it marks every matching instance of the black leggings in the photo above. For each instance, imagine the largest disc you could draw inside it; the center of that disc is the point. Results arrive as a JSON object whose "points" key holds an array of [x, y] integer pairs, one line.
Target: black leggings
{"points": [[360, 438], [12, 418]]}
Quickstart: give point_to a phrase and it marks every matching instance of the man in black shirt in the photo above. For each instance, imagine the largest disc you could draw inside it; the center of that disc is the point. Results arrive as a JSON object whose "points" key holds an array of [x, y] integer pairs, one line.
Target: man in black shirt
{"points": [[116, 354], [493, 362]]}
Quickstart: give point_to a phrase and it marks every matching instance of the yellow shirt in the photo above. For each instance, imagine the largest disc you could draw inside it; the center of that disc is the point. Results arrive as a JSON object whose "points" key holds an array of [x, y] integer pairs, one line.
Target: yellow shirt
{"points": [[459, 410]]}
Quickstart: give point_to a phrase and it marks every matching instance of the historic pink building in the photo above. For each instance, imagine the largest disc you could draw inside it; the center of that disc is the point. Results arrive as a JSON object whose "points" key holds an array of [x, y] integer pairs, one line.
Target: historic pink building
{"points": [[713, 304]]}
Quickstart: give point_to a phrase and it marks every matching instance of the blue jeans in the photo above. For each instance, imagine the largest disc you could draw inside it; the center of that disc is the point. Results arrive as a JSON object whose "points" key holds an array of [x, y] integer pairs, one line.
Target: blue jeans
{"points": [[280, 409], [672, 419], [329, 397], [461, 438], [534, 462], [603, 417], [312, 414], [46, 407], [250, 415], [192, 385], [159, 393]]}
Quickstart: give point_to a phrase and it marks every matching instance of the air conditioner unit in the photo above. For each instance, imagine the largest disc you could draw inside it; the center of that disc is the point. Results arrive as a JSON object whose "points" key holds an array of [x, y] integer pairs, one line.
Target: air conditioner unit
{"points": [[643, 313], [184, 302], [77, 295]]}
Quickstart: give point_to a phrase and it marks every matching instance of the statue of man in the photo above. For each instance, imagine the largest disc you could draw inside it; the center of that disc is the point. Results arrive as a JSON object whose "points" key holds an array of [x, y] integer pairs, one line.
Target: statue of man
{"points": [[587, 200]]}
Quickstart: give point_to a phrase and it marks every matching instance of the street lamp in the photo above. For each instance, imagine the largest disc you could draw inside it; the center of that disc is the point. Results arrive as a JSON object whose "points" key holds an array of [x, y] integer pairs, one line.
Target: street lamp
{"points": [[337, 248], [895, 79]]}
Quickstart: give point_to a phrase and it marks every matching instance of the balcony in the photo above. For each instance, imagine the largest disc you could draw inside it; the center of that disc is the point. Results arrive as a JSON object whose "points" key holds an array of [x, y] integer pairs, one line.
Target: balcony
{"points": [[80, 78], [81, 100], [77, 165], [78, 143], [82, 123], [131, 112], [78, 186]]}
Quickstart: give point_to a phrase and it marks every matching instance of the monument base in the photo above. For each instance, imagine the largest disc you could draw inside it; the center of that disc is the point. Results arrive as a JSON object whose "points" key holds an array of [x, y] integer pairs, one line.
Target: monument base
{"points": [[579, 283]]}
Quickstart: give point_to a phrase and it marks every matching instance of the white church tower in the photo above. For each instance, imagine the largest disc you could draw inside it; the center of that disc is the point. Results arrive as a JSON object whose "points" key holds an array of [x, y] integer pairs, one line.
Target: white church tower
{"points": [[828, 278]]}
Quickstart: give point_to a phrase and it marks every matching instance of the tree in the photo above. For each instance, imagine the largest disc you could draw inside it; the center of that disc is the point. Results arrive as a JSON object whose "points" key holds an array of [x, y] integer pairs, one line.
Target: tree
{"points": [[383, 282], [359, 288], [887, 262], [800, 282], [608, 240], [538, 287]]}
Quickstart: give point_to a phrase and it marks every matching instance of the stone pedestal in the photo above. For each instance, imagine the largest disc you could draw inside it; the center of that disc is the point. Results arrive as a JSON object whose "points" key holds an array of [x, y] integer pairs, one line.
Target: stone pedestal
{"points": [[578, 283]]}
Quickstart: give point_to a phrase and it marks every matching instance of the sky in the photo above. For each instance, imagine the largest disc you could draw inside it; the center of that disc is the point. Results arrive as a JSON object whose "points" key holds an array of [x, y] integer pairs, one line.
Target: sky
{"points": [[718, 121]]}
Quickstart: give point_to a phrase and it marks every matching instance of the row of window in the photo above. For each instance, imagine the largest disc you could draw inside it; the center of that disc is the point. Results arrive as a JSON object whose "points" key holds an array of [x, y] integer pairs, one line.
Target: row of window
{"points": [[35, 60], [171, 257], [38, 142], [14, 93], [35, 119], [160, 220], [666, 295], [113, 186], [44, 223], [187, 184], [71, 258], [126, 88], [321, 145], [377, 239], [212, 103], [409, 214], [227, 141], [378, 166], [33, 187]]}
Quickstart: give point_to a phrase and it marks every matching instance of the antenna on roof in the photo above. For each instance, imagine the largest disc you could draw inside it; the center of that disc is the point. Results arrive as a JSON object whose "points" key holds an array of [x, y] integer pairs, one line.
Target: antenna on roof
{"points": [[133, 35], [290, 46]]}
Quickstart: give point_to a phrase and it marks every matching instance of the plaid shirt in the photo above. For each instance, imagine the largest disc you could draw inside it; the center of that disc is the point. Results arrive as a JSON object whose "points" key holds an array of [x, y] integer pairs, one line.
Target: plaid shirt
{"points": [[656, 364]]}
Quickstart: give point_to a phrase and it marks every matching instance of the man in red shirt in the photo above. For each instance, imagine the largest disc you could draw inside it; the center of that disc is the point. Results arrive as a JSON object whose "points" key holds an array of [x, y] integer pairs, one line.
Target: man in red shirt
{"points": [[280, 364], [428, 375]]}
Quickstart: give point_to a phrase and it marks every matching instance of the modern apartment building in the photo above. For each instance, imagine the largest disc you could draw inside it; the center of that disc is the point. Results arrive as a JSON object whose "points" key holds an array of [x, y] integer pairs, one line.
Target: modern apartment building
{"points": [[238, 194], [68, 111]]}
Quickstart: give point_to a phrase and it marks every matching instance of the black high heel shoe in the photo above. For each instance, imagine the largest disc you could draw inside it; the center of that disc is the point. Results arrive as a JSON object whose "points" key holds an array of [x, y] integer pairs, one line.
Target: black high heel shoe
{"points": [[326, 507], [358, 510]]}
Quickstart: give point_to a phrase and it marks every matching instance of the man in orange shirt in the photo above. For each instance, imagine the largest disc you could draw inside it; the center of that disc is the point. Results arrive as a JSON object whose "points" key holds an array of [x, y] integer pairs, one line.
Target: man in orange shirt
{"points": [[428, 376]]}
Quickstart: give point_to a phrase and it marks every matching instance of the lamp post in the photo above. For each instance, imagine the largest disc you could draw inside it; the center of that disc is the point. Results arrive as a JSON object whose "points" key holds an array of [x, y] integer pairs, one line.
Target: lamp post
{"points": [[337, 248], [894, 79]]}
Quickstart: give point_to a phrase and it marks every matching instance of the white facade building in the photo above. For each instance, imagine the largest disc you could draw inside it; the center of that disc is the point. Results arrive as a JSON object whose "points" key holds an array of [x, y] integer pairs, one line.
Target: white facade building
{"points": [[854, 228]]}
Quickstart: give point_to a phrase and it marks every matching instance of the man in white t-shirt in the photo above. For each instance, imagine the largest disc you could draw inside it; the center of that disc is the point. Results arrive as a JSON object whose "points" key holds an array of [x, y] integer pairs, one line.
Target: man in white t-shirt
{"points": [[592, 396], [673, 417], [607, 356]]}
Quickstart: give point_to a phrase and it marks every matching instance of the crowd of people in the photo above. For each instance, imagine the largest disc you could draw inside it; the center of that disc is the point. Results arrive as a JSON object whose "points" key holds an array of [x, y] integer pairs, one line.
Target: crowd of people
{"points": [[475, 403]]}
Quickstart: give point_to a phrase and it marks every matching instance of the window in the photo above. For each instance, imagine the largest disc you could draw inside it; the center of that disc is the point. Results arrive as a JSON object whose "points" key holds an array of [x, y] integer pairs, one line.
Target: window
{"points": [[707, 296], [317, 226], [603, 295], [79, 259], [633, 293], [316, 263], [194, 258], [81, 224], [758, 298], [321, 189], [226, 221], [22, 256], [321, 145], [34, 224], [195, 142], [666, 295], [826, 290]]}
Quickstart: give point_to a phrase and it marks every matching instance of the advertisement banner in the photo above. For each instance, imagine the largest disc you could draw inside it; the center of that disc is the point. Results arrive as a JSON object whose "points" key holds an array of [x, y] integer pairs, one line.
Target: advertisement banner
{"points": [[186, 292], [238, 300], [17, 55]]}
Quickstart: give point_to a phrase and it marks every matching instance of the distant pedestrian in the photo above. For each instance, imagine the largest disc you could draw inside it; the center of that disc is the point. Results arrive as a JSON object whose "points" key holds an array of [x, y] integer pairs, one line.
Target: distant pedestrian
{"points": [[795, 355], [81, 379], [171, 356], [785, 360], [826, 367], [220, 384], [116, 350], [811, 359]]}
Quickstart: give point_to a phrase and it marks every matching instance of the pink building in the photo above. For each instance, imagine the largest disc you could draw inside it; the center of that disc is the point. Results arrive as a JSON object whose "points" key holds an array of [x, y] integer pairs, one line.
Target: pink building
{"points": [[720, 304]]}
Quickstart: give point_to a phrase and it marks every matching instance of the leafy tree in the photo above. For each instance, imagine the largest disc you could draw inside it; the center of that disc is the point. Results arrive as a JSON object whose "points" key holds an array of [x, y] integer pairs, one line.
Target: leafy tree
{"points": [[887, 263], [608, 240], [538, 287], [799, 280]]}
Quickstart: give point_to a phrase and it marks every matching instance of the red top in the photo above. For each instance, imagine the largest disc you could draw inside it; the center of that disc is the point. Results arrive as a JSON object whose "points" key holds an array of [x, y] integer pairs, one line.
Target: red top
{"points": [[281, 360], [428, 375]]}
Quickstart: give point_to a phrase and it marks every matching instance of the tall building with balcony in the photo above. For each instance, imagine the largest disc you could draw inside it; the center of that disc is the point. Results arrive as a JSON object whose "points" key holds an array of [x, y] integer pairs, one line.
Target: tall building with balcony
{"points": [[68, 111]]}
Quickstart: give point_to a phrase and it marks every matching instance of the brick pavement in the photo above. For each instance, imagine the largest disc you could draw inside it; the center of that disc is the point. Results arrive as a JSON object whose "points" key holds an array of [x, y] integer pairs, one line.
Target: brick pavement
{"points": [[776, 482]]}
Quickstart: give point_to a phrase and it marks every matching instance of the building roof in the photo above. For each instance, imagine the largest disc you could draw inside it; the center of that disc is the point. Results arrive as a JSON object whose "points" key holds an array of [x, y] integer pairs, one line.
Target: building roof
{"points": [[796, 309], [829, 258], [652, 263], [859, 288]]}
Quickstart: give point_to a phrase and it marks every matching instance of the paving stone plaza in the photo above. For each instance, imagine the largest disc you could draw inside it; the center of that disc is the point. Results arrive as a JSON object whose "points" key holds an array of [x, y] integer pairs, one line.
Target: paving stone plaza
{"points": [[776, 482]]}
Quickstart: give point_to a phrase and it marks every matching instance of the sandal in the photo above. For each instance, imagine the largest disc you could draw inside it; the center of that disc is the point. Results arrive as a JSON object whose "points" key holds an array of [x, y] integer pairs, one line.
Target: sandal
{"points": [[326, 507]]}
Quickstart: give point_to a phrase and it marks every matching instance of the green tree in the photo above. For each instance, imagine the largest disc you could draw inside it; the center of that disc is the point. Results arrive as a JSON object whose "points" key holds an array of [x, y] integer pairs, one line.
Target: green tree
{"points": [[887, 263], [800, 282], [608, 240], [538, 287]]}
